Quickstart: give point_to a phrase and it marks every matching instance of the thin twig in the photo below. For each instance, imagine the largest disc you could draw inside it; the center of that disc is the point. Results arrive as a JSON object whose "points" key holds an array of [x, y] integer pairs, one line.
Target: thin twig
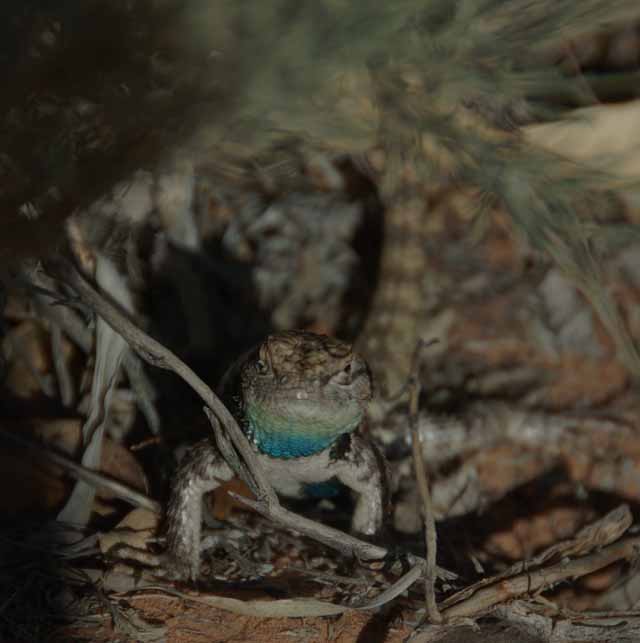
{"points": [[400, 586], [334, 538], [65, 382], [143, 389], [147, 442], [225, 446], [431, 537]]}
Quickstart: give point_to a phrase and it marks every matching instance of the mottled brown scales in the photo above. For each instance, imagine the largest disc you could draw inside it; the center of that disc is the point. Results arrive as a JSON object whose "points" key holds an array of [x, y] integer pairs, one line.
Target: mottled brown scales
{"points": [[392, 329], [307, 356]]}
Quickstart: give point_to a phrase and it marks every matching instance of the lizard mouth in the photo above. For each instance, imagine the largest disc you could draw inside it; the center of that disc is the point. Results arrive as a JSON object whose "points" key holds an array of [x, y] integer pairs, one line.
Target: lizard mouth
{"points": [[354, 379]]}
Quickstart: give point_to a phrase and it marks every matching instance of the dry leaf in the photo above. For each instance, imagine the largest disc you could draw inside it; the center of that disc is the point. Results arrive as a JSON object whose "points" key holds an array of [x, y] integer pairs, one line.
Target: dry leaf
{"points": [[606, 137], [134, 530], [29, 483]]}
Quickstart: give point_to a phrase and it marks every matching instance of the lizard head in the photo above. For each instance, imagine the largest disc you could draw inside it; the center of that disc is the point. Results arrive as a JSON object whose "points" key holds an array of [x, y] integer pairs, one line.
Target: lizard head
{"points": [[301, 391]]}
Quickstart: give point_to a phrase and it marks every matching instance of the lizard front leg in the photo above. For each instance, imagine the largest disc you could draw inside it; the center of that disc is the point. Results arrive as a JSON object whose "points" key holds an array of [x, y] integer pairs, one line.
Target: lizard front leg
{"points": [[358, 464], [201, 470]]}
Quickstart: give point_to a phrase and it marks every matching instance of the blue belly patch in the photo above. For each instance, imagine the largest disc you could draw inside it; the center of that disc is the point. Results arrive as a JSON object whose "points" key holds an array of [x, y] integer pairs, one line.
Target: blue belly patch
{"points": [[328, 489]]}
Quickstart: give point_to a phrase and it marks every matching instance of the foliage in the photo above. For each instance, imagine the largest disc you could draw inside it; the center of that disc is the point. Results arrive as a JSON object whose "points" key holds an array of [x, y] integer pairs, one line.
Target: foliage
{"points": [[441, 86]]}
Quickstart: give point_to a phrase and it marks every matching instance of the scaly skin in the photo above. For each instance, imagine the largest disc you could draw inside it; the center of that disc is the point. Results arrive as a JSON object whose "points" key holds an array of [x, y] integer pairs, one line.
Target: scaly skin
{"points": [[300, 398], [392, 329]]}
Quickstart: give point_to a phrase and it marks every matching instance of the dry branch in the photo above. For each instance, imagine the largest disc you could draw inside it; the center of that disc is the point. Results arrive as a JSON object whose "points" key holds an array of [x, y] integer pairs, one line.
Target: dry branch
{"points": [[525, 579]]}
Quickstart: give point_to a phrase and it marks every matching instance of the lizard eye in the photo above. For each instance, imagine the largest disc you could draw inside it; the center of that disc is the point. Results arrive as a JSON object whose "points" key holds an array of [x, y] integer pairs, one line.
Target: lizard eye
{"points": [[262, 367]]}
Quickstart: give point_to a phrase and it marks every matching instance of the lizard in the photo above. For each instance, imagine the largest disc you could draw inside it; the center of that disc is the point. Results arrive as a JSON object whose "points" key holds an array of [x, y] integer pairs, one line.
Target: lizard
{"points": [[300, 398]]}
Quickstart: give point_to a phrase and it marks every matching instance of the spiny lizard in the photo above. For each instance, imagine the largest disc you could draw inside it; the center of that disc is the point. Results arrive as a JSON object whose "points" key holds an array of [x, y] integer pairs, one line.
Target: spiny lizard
{"points": [[300, 398]]}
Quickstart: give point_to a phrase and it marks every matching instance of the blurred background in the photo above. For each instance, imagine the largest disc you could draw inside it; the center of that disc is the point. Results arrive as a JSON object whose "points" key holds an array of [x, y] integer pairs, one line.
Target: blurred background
{"points": [[465, 172]]}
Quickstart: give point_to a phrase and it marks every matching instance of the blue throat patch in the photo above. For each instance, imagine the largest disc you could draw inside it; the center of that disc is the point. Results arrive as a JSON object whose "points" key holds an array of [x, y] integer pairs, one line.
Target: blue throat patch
{"points": [[281, 438]]}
